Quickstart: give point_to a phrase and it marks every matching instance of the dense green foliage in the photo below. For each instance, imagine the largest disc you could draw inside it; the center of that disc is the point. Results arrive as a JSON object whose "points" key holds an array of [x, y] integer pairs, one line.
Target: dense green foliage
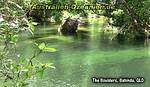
{"points": [[16, 71], [131, 17]]}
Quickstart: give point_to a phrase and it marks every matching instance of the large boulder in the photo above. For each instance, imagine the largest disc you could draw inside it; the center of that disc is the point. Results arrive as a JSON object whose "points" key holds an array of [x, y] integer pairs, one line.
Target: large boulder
{"points": [[69, 27]]}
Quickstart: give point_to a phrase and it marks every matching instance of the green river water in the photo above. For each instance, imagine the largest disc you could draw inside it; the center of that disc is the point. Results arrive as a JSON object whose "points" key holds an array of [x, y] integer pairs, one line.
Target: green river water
{"points": [[90, 54]]}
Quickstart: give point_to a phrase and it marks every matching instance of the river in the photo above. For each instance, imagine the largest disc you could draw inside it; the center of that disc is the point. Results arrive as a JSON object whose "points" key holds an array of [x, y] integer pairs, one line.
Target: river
{"points": [[89, 54]]}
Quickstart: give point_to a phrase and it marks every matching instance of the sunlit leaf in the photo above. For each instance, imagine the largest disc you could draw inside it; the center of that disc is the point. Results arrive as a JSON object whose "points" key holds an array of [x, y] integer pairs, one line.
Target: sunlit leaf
{"points": [[52, 67], [42, 46], [49, 65], [48, 49], [24, 70], [34, 23]]}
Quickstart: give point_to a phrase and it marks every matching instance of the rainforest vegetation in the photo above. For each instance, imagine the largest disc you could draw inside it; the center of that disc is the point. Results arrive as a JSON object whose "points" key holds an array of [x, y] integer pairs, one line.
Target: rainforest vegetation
{"points": [[128, 21]]}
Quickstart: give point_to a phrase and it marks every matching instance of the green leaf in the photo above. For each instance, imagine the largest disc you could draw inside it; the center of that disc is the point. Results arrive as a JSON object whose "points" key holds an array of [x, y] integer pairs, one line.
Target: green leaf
{"points": [[24, 83], [48, 49], [34, 23], [24, 70], [42, 46], [41, 72], [48, 65], [14, 38]]}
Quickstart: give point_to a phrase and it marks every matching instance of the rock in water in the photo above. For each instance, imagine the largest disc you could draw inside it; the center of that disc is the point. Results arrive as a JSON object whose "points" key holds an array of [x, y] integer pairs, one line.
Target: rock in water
{"points": [[69, 27]]}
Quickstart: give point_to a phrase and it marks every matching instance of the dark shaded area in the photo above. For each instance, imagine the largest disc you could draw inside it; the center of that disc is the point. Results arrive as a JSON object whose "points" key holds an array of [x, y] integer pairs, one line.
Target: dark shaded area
{"points": [[35, 15]]}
